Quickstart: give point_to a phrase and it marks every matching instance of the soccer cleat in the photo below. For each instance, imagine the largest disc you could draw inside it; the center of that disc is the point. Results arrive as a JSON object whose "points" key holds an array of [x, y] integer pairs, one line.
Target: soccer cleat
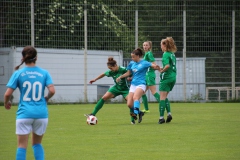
{"points": [[145, 111], [140, 115], [134, 116], [133, 122], [169, 118], [161, 121], [87, 115]]}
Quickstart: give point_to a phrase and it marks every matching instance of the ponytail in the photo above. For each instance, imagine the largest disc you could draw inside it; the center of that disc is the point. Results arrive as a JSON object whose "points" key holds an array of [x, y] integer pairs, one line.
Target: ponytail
{"points": [[29, 55]]}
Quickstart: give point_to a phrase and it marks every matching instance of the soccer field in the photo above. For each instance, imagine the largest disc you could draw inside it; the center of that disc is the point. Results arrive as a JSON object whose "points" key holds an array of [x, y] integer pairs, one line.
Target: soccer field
{"points": [[198, 131]]}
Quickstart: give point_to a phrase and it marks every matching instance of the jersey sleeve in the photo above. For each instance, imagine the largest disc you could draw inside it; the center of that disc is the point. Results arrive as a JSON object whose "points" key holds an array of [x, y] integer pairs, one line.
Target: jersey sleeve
{"points": [[165, 59], [151, 57], [130, 65], [147, 64], [107, 73], [48, 79], [13, 81], [124, 69]]}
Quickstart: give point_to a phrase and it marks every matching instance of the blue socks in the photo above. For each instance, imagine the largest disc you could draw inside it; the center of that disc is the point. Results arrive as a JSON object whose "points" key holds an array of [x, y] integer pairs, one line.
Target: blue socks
{"points": [[38, 152], [136, 107], [21, 154], [37, 149]]}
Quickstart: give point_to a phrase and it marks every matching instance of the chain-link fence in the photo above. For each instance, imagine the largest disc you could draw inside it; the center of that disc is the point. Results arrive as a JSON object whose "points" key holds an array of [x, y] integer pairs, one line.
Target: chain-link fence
{"points": [[201, 29]]}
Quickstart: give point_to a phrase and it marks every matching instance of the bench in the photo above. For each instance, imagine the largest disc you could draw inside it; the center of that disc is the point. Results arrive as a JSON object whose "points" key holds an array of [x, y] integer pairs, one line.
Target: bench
{"points": [[228, 89]]}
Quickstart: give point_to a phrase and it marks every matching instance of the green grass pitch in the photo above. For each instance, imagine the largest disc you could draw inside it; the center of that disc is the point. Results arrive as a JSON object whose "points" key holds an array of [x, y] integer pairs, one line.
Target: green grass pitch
{"points": [[209, 131]]}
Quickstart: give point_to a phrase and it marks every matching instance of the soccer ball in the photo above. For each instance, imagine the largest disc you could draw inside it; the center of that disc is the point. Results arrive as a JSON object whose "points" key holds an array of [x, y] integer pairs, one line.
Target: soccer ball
{"points": [[92, 120]]}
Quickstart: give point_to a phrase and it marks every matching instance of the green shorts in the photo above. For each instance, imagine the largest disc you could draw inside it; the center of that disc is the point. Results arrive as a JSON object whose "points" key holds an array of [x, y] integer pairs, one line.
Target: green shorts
{"points": [[116, 92], [167, 84], [150, 79]]}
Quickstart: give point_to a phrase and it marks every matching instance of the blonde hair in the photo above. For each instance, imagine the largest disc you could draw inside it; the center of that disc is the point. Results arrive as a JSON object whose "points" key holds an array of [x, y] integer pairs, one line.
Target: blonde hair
{"points": [[150, 44], [169, 43]]}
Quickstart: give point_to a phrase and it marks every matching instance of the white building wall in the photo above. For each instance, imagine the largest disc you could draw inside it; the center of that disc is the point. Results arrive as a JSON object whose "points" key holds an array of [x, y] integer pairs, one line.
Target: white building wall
{"points": [[6, 67], [195, 79], [67, 70]]}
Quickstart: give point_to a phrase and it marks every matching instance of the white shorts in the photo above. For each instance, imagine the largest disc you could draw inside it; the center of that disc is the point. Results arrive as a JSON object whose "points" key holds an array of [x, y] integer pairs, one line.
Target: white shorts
{"points": [[133, 88], [26, 126]]}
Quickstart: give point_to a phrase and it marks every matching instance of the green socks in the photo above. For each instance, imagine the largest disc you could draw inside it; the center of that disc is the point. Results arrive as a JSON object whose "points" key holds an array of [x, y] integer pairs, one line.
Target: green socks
{"points": [[98, 106], [167, 106], [162, 106], [145, 101], [157, 96], [131, 111]]}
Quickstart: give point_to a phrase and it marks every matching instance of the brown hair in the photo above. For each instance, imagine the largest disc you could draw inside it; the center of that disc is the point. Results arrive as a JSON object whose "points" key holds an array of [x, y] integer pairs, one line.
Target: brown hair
{"points": [[111, 62], [170, 44], [138, 52], [29, 55]]}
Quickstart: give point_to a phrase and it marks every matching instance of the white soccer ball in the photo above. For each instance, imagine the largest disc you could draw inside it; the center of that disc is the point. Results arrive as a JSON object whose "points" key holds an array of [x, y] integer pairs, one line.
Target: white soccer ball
{"points": [[92, 120]]}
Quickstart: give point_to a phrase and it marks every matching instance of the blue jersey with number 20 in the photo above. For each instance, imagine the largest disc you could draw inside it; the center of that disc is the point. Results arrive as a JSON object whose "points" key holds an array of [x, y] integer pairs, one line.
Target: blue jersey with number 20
{"points": [[31, 82]]}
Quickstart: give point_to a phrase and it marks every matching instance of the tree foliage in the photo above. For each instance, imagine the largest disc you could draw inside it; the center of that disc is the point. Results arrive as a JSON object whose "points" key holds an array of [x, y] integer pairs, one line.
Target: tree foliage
{"points": [[111, 26]]}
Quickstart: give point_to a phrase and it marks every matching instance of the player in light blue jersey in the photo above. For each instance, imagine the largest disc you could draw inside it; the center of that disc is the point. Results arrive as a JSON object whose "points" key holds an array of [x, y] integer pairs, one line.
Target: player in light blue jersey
{"points": [[138, 69], [32, 113]]}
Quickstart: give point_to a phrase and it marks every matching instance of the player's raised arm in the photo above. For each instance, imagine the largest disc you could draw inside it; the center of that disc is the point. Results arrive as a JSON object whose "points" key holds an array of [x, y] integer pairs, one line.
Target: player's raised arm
{"points": [[99, 77]]}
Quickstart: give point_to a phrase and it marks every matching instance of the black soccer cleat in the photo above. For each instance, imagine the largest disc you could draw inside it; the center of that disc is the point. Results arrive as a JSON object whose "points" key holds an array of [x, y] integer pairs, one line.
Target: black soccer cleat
{"points": [[161, 121], [133, 122], [169, 118], [133, 115], [140, 115]]}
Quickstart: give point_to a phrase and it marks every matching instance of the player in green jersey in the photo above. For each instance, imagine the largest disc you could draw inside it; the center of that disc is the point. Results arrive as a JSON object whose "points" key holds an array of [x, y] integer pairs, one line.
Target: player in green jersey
{"points": [[120, 88], [167, 77], [150, 76]]}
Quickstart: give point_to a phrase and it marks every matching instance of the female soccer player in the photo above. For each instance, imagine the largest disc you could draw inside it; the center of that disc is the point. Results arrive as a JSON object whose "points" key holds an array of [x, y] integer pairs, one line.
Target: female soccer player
{"points": [[120, 88], [168, 77], [150, 76], [32, 113], [138, 83]]}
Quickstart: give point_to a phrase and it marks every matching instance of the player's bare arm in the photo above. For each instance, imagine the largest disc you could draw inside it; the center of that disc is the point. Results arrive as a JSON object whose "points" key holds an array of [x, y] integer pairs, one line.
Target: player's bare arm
{"points": [[127, 74], [7, 96], [99, 77], [165, 68]]}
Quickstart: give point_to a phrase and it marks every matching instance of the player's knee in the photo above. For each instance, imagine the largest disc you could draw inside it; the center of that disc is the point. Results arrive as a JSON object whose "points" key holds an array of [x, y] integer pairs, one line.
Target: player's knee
{"points": [[107, 97]]}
